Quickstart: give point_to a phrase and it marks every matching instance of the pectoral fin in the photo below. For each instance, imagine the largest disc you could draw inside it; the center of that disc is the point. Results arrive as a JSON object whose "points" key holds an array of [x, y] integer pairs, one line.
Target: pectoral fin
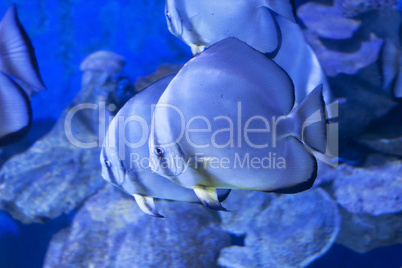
{"points": [[147, 205], [197, 49], [209, 197]]}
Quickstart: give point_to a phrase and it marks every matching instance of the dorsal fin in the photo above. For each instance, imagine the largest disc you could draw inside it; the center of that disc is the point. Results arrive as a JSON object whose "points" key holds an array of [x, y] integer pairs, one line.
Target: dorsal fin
{"points": [[17, 56], [284, 8]]}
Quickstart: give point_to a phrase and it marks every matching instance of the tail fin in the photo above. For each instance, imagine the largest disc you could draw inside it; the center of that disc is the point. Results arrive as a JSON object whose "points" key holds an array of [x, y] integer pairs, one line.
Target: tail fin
{"points": [[284, 8], [310, 116]]}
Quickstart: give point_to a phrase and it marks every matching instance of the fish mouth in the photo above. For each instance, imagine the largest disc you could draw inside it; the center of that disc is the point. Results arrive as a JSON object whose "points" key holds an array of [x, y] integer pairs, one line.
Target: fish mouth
{"points": [[167, 168], [175, 168], [179, 169]]}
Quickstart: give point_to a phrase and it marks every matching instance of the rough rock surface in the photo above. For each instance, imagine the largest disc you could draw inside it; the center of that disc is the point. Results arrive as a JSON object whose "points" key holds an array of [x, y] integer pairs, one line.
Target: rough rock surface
{"points": [[327, 21], [336, 62], [244, 207], [370, 202], [353, 64], [363, 232], [62, 169], [351, 8], [162, 71], [307, 222], [375, 190], [103, 61], [111, 231]]}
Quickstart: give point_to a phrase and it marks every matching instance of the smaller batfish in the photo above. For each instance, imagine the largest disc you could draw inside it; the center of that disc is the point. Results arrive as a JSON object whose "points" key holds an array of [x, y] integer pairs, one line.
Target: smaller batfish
{"points": [[125, 157]]}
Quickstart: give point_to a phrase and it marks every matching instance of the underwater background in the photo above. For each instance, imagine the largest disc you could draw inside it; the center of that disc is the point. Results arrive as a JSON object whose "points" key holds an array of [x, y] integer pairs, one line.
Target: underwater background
{"points": [[357, 227]]}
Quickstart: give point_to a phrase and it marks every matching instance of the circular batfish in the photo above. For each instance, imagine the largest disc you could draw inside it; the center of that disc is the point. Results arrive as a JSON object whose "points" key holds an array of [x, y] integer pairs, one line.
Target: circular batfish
{"points": [[201, 24], [124, 156], [226, 121]]}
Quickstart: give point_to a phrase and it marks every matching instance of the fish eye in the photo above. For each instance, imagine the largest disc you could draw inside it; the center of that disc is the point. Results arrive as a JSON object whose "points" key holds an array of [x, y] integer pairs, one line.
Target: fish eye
{"points": [[108, 163], [168, 15], [158, 151]]}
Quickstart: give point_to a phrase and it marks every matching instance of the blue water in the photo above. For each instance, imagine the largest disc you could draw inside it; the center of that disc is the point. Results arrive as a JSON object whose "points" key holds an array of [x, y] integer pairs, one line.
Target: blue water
{"points": [[64, 32], [25, 246]]}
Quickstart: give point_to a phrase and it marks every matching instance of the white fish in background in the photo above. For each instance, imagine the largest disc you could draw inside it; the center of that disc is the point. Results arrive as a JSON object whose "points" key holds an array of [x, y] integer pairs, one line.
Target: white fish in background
{"points": [[17, 59], [201, 23], [298, 59], [124, 156], [219, 91]]}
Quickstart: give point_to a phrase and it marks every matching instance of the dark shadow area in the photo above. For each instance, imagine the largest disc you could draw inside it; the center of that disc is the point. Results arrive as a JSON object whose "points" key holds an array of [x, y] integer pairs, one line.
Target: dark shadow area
{"points": [[237, 240], [341, 256], [26, 246], [38, 129]]}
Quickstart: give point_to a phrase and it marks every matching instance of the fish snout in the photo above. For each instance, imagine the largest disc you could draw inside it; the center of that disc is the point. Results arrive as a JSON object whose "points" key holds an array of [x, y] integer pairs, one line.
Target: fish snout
{"points": [[166, 164]]}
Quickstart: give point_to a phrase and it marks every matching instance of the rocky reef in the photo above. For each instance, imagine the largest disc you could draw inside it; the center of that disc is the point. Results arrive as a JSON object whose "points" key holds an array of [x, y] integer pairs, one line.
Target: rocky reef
{"points": [[111, 231], [61, 170], [308, 223], [348, 39]]}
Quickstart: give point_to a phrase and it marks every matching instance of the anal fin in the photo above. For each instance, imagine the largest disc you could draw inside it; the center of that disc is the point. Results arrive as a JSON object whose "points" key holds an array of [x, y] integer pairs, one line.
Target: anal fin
{"points": [[147, 205], [209, 197]]}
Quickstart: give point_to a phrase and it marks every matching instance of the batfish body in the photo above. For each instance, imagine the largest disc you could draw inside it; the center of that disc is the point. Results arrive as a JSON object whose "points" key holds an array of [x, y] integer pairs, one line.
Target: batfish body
{"points": [[226, 121], [15, 111], [125, 154], [201, 24]]}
